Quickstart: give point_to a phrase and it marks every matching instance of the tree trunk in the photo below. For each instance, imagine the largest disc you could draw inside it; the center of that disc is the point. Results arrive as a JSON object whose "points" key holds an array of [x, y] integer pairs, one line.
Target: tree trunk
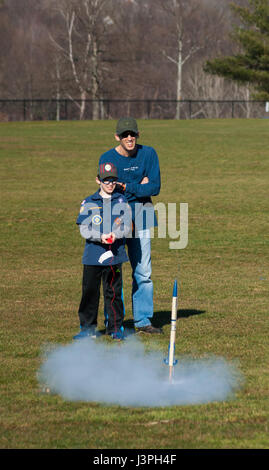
{"points": [[82, 105], [179, 77], [95, 105], [58, 80]]}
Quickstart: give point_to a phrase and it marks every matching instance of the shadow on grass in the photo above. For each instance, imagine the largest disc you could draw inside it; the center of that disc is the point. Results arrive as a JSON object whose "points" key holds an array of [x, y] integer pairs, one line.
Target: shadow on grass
{"points": [[162, 318]]}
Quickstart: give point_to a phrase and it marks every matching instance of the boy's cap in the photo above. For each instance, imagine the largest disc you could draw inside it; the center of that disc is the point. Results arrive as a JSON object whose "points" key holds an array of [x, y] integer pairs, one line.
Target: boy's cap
{"points": [[126, 124], [107, 170]]}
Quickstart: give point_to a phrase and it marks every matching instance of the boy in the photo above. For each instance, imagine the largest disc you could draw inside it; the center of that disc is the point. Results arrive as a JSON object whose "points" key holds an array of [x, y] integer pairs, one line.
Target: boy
{"points": [[105, 220]]}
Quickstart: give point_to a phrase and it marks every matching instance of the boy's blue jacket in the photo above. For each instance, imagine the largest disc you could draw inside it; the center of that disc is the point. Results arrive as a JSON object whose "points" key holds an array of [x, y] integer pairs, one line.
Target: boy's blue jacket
{"points": [[94, 216], [131, 171]]}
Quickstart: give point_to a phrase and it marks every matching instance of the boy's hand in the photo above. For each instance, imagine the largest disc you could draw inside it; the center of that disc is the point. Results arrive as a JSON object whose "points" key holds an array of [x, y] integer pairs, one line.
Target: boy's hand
{"points": [[108, 238]]}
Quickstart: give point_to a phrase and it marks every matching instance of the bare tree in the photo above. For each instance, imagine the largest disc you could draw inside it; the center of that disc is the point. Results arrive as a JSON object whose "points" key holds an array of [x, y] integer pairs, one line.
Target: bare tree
{"points": [[23, 58], [131, 59], [177, 13], [81, 47], [190, 26]]}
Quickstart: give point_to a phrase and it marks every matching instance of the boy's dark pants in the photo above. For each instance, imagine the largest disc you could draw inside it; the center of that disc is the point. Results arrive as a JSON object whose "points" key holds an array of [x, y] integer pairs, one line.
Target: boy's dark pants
{"points": [[112, 289]]}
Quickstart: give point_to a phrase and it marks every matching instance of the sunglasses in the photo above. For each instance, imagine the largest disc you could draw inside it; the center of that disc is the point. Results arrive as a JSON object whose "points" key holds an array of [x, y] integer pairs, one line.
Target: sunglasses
{"points": [[106, 182], [127, 133]]}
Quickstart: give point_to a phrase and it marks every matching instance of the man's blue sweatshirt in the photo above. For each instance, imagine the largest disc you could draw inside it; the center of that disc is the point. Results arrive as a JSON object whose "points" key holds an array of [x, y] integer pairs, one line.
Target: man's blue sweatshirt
{"points": [[131, 171]]}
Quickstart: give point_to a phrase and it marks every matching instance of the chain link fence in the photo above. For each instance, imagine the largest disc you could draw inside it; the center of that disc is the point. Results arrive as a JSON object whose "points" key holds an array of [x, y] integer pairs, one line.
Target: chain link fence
{"points": [[66, 109]]}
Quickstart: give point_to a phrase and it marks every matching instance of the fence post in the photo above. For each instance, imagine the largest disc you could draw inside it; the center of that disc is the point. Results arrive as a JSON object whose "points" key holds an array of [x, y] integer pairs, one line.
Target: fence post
{"points": [[232, 109], [190, 110], [24, 110], [148, 108], [65, 109]]}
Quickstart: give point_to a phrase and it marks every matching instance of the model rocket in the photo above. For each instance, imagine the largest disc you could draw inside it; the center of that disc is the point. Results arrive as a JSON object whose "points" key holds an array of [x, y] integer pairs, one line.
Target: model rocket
{"points": [[170, 360]]}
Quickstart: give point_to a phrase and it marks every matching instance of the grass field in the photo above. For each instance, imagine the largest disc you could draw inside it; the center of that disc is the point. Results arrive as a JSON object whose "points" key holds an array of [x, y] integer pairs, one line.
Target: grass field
{"points": [[220, 168]]}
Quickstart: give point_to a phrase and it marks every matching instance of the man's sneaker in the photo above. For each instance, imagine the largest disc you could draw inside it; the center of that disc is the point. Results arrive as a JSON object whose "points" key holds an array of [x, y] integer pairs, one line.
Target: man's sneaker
{"points": [[149, 329], [86, 333], [118, 336]]}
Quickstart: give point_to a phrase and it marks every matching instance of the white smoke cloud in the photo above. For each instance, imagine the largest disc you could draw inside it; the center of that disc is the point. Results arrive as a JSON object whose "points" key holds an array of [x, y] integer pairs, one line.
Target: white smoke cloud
{"points": [[124, 374]]}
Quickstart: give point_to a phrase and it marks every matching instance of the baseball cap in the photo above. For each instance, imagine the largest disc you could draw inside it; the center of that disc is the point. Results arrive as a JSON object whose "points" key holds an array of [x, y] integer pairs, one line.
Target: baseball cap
{"points": [[126, 124], [106, 170]]}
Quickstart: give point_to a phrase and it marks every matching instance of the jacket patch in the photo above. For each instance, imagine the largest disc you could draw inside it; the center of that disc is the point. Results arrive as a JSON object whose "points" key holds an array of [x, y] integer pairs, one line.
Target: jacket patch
{"points": [[97, 220]]}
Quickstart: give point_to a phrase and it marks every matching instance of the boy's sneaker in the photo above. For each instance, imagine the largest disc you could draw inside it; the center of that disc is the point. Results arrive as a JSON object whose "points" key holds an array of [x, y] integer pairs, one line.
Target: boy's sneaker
{"points": [[118, 335], [149, 329], [86, 333]]}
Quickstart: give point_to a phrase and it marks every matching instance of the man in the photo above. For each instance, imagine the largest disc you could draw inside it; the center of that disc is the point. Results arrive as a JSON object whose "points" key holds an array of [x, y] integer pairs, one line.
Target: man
{"points": [[139, 178]]}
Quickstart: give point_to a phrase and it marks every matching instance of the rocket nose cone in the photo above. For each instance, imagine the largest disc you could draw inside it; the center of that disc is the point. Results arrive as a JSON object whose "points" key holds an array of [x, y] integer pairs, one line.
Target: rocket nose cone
{"points": [[175, 289]]}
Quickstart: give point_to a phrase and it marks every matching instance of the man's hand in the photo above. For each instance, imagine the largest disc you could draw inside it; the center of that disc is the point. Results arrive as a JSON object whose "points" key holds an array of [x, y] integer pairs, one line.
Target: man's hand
{"points": [[108, 238], [122, 185], [145, 180]]}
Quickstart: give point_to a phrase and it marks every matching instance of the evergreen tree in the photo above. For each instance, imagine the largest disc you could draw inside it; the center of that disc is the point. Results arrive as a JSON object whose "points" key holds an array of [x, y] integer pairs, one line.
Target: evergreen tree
{"points": [[250, 66]]}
